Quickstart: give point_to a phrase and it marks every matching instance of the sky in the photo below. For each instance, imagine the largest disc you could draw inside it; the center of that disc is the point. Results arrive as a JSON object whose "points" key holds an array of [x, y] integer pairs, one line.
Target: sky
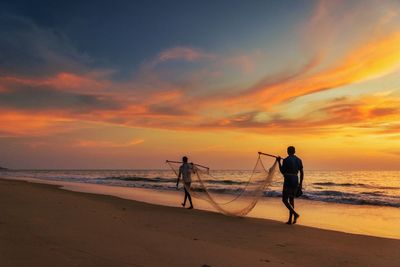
{"points": [[129, 84]]}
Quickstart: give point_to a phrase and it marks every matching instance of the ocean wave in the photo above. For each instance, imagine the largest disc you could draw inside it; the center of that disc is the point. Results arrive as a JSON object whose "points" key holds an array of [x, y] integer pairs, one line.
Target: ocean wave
{"points": [[356, 185], [355, 201], [376, 193], [376, 198], [331, 193], [340, 191], [338, 184], [226, 182], [169, 180], [140, 179]]}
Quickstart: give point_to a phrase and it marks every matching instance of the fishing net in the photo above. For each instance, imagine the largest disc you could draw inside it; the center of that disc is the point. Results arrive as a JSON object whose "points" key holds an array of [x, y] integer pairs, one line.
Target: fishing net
{"points": [[235, 196]]}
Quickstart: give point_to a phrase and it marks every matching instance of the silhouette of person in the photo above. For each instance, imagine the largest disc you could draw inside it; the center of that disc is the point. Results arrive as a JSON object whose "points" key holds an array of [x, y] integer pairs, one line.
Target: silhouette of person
{"points": [[185, 171], [290, 167]]}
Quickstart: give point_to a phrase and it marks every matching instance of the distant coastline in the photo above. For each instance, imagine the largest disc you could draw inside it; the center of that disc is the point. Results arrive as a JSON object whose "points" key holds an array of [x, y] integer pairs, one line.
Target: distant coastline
{"points": [[3, 169]]}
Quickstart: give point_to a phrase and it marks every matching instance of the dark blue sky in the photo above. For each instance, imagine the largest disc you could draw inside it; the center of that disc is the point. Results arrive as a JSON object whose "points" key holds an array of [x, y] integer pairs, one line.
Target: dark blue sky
{"points": [[122, 34]]}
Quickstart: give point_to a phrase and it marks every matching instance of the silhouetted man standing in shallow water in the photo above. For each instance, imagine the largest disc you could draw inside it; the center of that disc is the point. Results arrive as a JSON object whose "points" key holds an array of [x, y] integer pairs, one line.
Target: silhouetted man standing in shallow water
{"points": [[290, 167]]}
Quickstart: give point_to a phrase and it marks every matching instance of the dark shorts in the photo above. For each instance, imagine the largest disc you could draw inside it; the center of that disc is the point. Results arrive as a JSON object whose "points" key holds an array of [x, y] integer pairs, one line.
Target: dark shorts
{"points": [[289, 191], [187, 186], [291, 181]]}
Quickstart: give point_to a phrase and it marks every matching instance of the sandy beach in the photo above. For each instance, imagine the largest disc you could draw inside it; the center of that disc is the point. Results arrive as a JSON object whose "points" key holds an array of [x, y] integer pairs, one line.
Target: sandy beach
{"points": [[41, 225]]}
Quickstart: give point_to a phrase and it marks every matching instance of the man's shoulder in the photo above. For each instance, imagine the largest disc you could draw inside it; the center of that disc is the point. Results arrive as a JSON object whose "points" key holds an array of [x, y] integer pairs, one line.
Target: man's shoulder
{"points": [[185, 165], [293, 157], [300, 162]]}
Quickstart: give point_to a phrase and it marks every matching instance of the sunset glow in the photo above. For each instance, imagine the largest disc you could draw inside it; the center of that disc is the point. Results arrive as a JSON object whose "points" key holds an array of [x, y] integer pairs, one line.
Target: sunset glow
{"points": [[325, 79]]}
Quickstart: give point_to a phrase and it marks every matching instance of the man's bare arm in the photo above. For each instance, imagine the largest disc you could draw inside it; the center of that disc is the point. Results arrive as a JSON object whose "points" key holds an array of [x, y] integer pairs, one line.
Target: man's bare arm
{"points": [[301, 178], [179, 176], [280, 164]]}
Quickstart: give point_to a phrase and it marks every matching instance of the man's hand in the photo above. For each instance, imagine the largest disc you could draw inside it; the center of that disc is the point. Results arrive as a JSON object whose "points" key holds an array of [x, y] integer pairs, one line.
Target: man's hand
{"points": [[278, 158]]}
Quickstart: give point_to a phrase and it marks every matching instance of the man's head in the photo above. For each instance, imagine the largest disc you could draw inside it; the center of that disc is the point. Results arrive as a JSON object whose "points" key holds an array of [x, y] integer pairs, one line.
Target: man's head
{"points": [[291, 150], [185, 159]]}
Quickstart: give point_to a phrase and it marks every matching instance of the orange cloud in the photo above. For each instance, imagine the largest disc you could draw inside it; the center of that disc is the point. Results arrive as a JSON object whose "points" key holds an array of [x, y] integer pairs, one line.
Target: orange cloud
{"points": [[393, 128], [71, 81], [89, 82], [371, 60], [107, 144], [16, 123], [339, 115]]}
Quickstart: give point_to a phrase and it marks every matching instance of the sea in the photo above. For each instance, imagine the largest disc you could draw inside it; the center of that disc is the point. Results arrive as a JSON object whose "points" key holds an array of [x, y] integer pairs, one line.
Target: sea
{"points": [[374, 188]]}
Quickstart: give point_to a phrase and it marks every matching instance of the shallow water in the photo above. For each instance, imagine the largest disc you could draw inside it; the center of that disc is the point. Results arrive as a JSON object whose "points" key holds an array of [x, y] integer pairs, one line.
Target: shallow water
{"points": [[378, 188]]}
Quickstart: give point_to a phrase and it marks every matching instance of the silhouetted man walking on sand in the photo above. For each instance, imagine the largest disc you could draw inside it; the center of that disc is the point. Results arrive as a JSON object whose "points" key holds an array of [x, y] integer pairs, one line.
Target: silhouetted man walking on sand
{"points": [[290, 167], [185, 171]]}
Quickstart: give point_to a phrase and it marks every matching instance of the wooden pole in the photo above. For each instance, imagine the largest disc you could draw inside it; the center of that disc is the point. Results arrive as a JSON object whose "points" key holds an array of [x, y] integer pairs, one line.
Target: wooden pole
{"points": [[189, 162], [269, 155]]}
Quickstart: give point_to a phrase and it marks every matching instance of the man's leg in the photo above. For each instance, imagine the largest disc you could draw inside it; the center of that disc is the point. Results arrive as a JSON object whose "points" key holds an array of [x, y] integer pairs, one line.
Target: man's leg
{"points": [[296, 215], [187, 195], [190, 200], [285, 200], [291, 201], [187, 192], [184, 200]]}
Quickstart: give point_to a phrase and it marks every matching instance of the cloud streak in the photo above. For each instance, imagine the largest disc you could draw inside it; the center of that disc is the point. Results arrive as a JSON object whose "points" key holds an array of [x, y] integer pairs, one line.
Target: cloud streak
{"points": [[107, 144], [30, 50], [194, 96], [184, 53]]}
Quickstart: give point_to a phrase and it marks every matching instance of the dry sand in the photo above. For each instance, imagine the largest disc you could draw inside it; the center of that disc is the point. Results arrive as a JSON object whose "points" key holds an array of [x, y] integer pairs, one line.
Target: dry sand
{"points": [[41, 225]]}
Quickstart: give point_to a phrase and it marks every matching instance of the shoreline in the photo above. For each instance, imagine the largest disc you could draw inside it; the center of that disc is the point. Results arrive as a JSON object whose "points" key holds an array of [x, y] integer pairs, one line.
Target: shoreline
{"points": [[43, 225], [354, 219]]}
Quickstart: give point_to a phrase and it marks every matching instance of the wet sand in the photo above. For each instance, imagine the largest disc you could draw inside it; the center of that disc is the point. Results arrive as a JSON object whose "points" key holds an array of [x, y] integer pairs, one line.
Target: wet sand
{"points": [[41, 225]]}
